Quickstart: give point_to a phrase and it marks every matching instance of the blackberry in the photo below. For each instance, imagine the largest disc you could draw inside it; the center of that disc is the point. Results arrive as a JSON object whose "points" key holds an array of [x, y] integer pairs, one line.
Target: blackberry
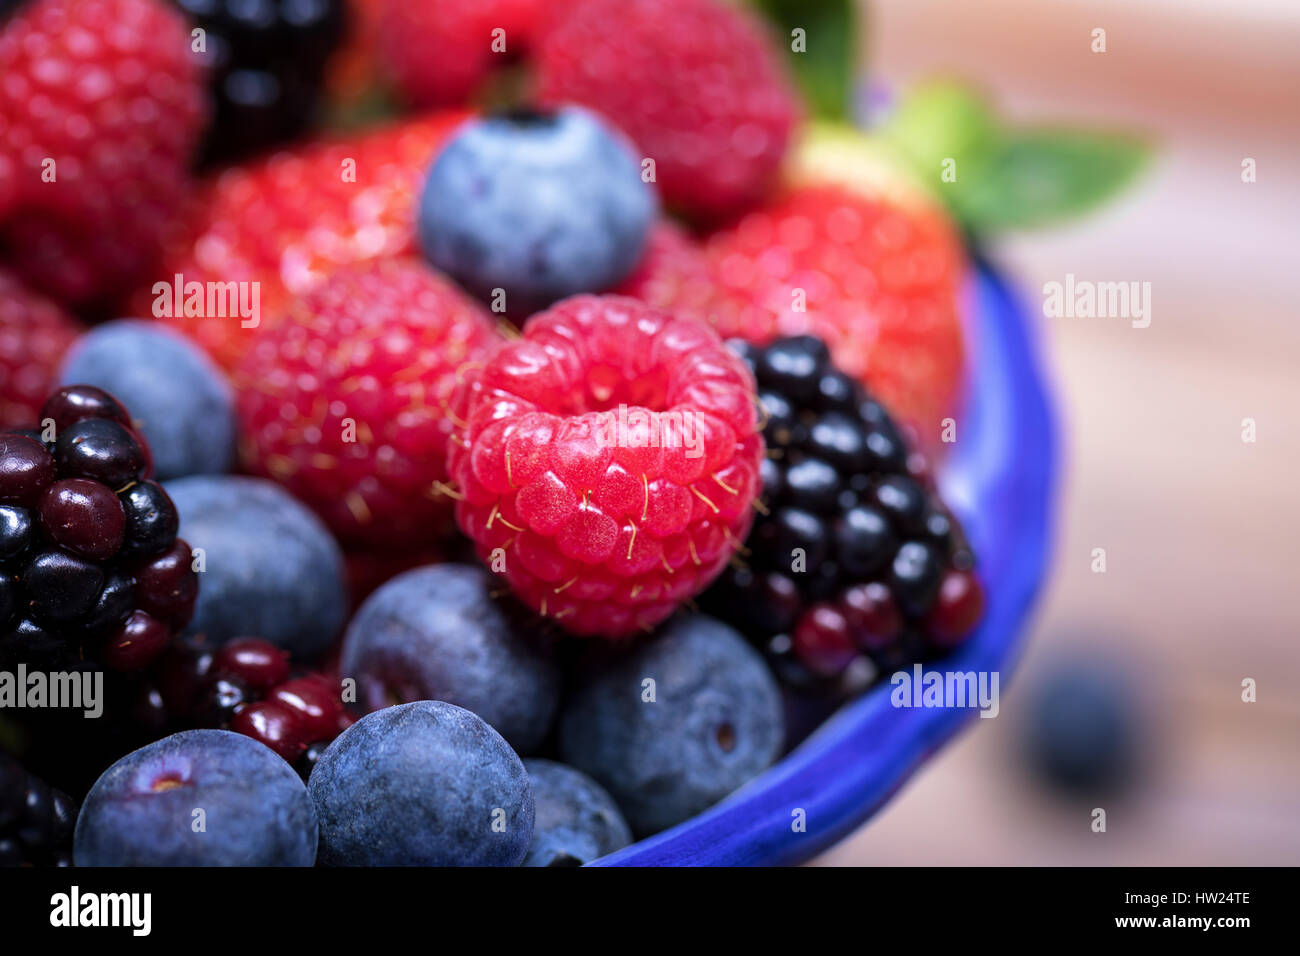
{"points": [[266, 61], [36, 821], [855, 567], [90, 566]]}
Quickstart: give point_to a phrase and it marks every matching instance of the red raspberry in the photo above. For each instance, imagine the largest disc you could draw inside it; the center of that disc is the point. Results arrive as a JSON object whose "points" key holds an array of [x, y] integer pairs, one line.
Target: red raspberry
{"points": [[607, 462], [676, 274], [461, 31], [696, 84], [344, 401], [289, 220], [107, 90], [878, 282], [34, 336]]}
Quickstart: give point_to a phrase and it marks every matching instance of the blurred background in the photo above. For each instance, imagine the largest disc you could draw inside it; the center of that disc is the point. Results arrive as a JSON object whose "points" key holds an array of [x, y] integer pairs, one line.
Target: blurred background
{"points": [[1140, 669]]}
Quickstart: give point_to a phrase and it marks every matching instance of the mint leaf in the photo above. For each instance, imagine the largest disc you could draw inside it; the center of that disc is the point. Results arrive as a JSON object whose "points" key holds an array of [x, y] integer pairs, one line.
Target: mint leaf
{"points": [[826, 65], [1038, 177], [994, 177]]}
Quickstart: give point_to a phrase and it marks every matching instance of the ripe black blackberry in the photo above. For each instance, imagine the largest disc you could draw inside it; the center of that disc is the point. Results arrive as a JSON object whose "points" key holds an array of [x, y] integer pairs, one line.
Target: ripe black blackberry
{"points": [[91, 569], [36, 821], [267, 62], [854, 559]]}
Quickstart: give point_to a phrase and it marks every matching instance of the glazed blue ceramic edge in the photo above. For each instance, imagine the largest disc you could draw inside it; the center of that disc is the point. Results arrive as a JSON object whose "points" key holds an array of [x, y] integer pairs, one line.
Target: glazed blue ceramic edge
{"points": [[1000, 479]]}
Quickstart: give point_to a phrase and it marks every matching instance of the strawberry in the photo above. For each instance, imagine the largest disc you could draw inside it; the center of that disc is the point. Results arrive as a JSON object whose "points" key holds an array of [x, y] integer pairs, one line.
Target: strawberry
{"points": [[344, 401], [287, 221], [100, 112], [34, 336], [607, 463], [696, 84], [851, 251]]}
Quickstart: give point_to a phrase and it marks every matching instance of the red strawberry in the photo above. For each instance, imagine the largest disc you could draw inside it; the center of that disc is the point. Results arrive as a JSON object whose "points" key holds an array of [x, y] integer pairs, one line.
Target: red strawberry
{"points": [[462, 34], [696, 84], [289, 220], [877, 282], [34, 336], [607, 462], [101, 107], [344, 402]]}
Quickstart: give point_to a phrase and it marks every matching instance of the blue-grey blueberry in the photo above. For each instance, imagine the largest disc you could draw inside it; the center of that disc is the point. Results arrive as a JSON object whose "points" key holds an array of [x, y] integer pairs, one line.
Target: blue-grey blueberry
{"points": [[270, 567], [422, 784], [177, 396], [542, 205], [436, 633], [677, 724], [197, 798], [577, 821]]}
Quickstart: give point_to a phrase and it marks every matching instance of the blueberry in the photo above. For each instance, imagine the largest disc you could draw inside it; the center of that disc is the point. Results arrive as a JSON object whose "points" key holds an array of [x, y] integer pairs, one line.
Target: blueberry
{"points": [[143, 810], [178, 398], [422, 784], [542, 205], [436, 633], [665, 751], [270, 566], [577, 821], [1082, 736]]}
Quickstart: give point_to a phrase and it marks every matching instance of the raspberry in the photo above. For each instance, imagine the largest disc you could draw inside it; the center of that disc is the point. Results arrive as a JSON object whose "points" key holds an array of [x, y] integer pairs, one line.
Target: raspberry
{"points": [[855, 556], [607, 462], [286, 222], [461, 31], [34, 335], [876, 281], [344, 401], [120, 110], [695, 83]]}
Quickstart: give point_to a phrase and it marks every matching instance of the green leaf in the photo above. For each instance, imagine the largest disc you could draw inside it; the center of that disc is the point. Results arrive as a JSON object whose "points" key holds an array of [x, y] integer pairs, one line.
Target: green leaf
{"points": [[823, 58], [994, 177], [1038, 177]]}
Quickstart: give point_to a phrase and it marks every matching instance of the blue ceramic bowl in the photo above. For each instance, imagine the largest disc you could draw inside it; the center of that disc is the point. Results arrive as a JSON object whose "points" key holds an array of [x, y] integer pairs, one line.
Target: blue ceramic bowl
{"points": [[1000, 480]]}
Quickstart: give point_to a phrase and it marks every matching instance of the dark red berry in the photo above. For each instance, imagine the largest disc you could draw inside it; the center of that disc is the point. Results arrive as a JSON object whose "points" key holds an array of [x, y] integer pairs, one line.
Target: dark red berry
{"points": [[26, 469], [258, 663], [139, 640], [183, 673], [8, 597], [958, 607], [167, 586], [75, 403], [316, 703], [84, 517], [275, 725], [822, 641], [151, 520], [61, 586], [873, 617], [102, 450]]}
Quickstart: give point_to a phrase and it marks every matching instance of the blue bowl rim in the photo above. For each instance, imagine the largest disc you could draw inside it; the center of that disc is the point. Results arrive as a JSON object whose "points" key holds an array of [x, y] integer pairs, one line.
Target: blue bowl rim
{"points": [[851, 766]]}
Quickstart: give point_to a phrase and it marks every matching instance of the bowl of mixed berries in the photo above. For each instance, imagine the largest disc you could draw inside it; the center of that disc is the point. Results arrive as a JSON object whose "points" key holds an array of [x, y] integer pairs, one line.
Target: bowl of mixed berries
{"points": [[617, 476]]}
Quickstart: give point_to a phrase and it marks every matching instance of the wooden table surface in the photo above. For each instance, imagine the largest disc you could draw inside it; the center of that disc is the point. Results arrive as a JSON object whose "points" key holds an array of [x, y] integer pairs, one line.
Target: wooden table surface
{"points": [[1201, 530]]}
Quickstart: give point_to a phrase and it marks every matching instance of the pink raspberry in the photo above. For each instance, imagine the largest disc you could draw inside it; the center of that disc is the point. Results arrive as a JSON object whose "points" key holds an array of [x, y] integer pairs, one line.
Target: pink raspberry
{"points": [[607, 462]]}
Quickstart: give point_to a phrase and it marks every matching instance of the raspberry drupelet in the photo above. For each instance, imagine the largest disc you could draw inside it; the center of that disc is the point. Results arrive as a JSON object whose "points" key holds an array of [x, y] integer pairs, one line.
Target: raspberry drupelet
{"points": [[606, 463]]}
